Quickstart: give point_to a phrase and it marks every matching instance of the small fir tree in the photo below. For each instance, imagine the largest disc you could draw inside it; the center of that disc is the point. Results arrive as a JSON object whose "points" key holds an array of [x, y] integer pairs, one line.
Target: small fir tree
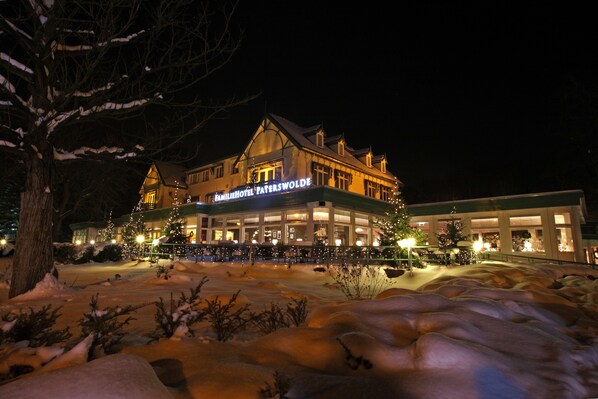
{"points": [[109, 232], [174, 229], [452, 233], [134, 227], [396, 226]]}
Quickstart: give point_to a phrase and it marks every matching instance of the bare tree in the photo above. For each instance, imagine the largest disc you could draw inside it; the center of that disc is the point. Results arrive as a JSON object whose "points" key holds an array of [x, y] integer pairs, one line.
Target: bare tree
{"points": [[66, 67]]}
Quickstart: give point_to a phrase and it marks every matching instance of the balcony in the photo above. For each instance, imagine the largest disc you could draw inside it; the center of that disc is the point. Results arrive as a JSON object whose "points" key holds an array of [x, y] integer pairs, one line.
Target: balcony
{"points": [[148, 206]]}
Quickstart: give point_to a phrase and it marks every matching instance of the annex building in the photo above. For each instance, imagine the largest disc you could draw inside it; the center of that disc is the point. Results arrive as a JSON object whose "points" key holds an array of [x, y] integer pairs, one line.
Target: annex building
{"points": [[298, 186]]}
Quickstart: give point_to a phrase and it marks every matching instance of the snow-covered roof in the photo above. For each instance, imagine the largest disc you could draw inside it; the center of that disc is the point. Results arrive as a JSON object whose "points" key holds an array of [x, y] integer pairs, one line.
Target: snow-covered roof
{"points": [[299, 135], [172, 175]]}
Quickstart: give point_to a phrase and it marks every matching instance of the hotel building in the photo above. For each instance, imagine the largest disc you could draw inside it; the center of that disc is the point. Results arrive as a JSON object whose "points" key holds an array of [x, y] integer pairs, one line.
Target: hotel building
{"points": [[296, 185]]}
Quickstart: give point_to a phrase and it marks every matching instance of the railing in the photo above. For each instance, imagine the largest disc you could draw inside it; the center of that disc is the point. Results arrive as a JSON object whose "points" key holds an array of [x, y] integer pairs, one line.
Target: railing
{"points": [[506, 257], [289, 254], [372, 255]]}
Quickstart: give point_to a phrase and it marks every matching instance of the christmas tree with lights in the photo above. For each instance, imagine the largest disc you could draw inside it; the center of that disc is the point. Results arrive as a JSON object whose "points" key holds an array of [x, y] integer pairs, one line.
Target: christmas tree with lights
{"points": [[396, 226], [133, 228], [452, 233], [109, 232], [174, 229], [396, 223]]}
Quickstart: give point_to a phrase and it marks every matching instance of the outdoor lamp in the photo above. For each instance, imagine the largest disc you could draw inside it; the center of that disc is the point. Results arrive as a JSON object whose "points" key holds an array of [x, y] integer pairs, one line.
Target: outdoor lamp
{"points": [[2, 242], [140, 239], [78, 242], [478, 245], [92, 242], [113, 241]]}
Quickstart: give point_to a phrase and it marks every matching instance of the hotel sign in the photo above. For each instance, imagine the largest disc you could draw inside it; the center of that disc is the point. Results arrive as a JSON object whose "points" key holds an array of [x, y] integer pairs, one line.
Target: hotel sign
{"points": [[266, 189]]}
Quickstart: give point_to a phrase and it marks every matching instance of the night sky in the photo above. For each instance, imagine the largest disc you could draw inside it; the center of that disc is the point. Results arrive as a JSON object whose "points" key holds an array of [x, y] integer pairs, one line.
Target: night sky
{"points": [[465, 99]]}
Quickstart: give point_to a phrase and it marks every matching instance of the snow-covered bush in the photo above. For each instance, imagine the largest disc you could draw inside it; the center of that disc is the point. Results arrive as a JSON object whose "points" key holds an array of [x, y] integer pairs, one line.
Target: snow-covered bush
{"points": [[175, 320], [227, 319], [33, 326], [359, 281], [106, 325]]}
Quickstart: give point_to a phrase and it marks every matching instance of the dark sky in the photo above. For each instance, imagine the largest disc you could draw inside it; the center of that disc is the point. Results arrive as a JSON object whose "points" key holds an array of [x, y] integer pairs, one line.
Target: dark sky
{"points": [[464, 98]]}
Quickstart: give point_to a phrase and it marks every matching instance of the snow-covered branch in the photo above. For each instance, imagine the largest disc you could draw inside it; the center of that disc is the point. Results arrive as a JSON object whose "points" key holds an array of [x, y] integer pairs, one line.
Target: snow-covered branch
{"points": [[96, 109], [15, 64], [86, 47], [82, 152]]}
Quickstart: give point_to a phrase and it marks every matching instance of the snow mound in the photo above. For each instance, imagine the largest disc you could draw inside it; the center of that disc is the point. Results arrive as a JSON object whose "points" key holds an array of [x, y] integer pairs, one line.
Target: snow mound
{"points": [[48, 287]]}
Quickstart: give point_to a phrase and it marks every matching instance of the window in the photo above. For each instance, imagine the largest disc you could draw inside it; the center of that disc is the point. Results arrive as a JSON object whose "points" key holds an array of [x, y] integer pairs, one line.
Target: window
{"points": [[484, 222], [564, 232], [219, 171], [341, 148], [204, 175], [234, 169], [383, 165], [371, 189], [271, 171], [385, 193], [368, 160], [320, 139], [150, 199], [525, 220], [320, 174], [342, 180], [193, 178], [342, 216]]}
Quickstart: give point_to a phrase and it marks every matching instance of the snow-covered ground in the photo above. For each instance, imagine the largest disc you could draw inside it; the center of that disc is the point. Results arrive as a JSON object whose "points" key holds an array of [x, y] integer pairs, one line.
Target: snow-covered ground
{"points": [[491, 330]]}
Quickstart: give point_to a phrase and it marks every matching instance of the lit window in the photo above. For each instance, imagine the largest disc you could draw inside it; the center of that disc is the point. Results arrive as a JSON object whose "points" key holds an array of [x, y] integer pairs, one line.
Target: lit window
{"points": [[342, 180], [368, 160], [219, 171], [383, 166], [341, 148], [204, 175], [385, 193], [526, 220], [371, 189], [320, 175]]}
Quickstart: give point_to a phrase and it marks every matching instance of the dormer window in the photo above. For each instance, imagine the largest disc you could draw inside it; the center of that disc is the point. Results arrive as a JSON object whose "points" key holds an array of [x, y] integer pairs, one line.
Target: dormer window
{"points": [[383, 165], [320, 139], [368, 160], [341, 148]]}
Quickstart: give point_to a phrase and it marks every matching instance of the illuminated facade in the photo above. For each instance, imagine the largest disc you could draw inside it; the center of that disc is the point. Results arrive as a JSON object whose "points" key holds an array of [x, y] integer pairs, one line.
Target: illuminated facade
{"points": [[289, 185], [295, 185]]}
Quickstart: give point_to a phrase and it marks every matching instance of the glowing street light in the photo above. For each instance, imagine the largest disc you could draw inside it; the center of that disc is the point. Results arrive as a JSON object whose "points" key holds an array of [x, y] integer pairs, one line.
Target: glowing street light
{"points": [[78, 242], [3, 242], [408, 243], [113, 241], [477, 247], [92, 242], [140, 240]]}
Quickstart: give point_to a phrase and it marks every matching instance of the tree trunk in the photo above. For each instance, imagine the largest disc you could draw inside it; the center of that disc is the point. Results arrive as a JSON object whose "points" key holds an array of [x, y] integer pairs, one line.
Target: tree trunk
{"points": [[33, 251]]}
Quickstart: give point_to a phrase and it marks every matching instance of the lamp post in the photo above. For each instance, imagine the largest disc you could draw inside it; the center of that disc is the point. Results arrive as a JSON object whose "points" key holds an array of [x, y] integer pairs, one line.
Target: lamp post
{"points": [[477, 247], [140, 240], [408, 243]]}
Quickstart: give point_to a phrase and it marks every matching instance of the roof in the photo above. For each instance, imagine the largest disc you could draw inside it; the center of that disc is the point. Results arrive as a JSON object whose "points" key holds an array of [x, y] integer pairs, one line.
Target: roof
{"points": [[172, 175], [298, 135], [508, 202]]}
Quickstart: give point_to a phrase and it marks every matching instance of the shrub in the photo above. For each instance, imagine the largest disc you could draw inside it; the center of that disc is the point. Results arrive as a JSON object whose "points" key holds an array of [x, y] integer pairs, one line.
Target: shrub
{"points": [[279, 389], [359, 281], [85, 256], [64, 253], [110, 253], [275, 318], [105, 326], [35, 327], [177, 318], [226, 321]]}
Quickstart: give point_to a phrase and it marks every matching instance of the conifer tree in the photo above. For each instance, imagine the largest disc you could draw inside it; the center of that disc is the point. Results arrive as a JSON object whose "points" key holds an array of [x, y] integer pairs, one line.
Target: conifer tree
{"points": [[174, 229], [109, 232], [452, 233], [134, 227], [395, 225]]}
